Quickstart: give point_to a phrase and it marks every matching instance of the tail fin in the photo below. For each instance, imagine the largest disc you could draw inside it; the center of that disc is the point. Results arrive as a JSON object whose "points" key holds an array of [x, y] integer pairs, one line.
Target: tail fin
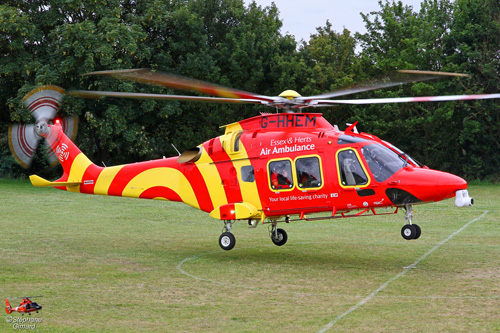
{"points": [[8, 308], [73, 161]]}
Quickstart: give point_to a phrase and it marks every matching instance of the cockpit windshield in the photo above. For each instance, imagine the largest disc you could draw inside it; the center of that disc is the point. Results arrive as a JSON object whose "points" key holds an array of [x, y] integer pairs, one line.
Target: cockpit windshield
{"points": [[382, 161], [406, 156]]}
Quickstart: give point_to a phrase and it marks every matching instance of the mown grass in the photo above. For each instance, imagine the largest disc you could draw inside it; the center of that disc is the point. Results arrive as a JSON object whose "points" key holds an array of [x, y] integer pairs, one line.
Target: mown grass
{"points": [[117, 264]]}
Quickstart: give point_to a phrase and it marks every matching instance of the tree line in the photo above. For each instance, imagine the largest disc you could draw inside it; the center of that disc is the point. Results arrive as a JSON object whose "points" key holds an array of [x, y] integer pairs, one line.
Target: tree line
{"points": [[226, 42]]}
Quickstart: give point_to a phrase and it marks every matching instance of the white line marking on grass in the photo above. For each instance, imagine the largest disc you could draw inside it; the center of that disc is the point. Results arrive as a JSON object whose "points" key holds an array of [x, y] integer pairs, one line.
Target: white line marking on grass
{"points": [[385, 284], [305, 294]]}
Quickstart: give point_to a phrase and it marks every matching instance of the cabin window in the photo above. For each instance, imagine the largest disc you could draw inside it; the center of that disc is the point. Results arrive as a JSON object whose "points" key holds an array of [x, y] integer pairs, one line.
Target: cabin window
{"points": [[308, 172], [351, 171], [247, 174], [280, 174]]}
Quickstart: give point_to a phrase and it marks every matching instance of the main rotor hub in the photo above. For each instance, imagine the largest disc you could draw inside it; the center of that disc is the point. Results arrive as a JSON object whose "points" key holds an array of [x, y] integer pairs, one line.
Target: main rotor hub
{"points": [[289, 94]]}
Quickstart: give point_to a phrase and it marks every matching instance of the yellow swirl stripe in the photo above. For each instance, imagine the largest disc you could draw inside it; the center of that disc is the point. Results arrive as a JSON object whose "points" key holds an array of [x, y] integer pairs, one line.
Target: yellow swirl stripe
{"points": [[105, 178], [166, 177], [78, 167], [212, 179]]}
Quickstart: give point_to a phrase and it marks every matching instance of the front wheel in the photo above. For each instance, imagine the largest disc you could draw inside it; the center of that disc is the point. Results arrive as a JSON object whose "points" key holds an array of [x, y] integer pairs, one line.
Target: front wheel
{"points": [[419, 231], [280, 237], [409, 231], [227, 241]]}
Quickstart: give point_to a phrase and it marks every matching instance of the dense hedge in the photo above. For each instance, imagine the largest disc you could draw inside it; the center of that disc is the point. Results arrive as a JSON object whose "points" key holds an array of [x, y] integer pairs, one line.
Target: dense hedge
{"points": [[226, 42]]}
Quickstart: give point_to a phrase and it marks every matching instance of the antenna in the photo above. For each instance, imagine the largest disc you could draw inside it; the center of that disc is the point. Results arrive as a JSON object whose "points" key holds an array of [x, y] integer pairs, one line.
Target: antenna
{"points": [[178, 152]]}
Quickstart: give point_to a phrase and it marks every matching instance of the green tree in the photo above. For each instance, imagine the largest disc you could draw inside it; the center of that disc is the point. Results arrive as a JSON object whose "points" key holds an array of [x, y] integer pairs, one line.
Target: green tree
{"points": [[444, 36], [329, 63], [56, 42], [473, 47], [225, 42]]}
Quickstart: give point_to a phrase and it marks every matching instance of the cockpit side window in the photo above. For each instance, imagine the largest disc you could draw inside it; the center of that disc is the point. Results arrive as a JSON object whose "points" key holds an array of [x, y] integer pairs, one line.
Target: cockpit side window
{"points": [[351, 171], [382, 161]]}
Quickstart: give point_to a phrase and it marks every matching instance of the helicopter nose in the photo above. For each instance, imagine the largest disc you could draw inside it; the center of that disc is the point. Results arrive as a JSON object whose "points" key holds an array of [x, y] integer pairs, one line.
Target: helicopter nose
{"points": [[423, 185]]}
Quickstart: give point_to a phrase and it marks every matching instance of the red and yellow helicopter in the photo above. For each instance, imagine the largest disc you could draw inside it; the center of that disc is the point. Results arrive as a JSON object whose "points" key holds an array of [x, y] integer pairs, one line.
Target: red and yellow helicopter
{"points": [[26, 306], [276, 167]]}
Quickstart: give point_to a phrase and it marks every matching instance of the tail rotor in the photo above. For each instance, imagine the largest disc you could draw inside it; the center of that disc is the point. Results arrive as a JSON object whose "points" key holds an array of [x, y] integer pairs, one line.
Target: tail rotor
{"points": [[8, 308], [43, 104]]}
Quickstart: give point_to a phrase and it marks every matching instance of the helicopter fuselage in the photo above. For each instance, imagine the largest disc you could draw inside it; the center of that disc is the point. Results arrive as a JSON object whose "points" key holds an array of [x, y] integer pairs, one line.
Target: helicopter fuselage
{"points": [[269, 166]]}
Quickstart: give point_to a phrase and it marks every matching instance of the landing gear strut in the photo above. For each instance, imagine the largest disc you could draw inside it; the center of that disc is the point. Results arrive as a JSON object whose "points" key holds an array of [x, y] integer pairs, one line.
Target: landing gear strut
{"points": [[409, 230], [278, 236], [227, 239]]}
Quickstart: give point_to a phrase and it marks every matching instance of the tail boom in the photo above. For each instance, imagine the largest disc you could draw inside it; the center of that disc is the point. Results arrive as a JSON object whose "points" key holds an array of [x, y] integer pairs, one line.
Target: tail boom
{"points": [[162, 179], [204, 185]]}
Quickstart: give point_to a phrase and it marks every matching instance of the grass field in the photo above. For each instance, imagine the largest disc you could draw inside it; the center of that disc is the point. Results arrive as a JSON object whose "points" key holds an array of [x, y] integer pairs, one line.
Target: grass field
{"points": [[117, 264]]}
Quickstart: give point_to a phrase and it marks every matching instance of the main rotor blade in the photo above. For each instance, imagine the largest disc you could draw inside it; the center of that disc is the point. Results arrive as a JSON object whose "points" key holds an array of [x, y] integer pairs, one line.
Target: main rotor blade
{"points": [[407, 99], [398, 78], [103, 94], [182, 83]]}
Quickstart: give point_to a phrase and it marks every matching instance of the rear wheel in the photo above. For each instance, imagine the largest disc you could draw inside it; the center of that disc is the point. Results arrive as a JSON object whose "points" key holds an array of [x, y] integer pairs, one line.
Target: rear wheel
{"points": [[279, 237]]}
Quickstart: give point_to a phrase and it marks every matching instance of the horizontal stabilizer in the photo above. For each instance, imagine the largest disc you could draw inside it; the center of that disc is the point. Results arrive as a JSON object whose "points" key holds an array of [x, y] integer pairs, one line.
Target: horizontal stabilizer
{"points": [[38, 181]]}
